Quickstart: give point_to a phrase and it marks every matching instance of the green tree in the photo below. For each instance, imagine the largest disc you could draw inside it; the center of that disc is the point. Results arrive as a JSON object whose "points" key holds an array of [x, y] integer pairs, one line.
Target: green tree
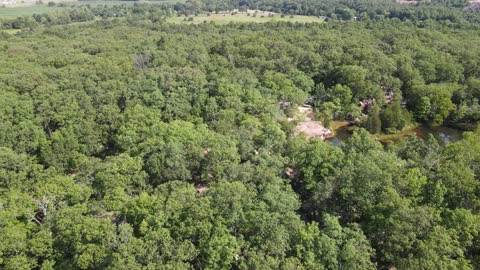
{"points": [[394, 117], [374, 122]]}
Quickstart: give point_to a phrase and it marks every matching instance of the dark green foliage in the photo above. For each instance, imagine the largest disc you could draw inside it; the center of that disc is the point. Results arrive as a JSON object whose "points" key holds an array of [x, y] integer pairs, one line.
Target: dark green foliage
{"points": [[394, 117], [374, 123]]}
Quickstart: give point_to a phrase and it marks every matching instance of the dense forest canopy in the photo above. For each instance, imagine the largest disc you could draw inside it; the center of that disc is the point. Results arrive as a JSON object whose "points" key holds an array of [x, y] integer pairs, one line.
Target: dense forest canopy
{"points": [[127, 142]]}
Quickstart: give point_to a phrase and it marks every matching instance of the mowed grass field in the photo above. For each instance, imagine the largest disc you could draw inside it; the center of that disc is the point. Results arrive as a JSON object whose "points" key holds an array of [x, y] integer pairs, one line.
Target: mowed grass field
{"points": [[30, 8], [13, 12], [11, 31], [261, 17]]}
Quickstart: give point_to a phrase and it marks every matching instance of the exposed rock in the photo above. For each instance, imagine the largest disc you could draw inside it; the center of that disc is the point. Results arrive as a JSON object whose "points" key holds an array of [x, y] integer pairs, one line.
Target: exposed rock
{"points": [[313, 129], [309, 127], [201, 188], [291, 172], [388, 96], [366, 104], [473, 7]]}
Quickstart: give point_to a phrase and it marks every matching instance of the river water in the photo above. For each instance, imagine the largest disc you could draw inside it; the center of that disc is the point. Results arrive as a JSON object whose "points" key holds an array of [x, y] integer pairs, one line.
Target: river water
{"points": [[442, 134]]}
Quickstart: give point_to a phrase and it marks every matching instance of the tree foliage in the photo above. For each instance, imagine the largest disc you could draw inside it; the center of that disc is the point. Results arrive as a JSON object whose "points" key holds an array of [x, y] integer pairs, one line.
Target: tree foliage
{"points": [[127, 142]]}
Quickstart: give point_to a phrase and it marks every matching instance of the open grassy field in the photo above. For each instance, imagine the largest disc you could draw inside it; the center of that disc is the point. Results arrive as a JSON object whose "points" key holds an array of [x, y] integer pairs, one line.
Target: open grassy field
{"points": [[12, 12], [29, 8], [260, 17], [11, 31]]}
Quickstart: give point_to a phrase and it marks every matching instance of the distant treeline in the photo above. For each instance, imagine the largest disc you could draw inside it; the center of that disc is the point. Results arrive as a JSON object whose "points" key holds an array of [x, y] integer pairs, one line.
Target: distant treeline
{"points": [[454, 11], [343, 9], [83, 13]]}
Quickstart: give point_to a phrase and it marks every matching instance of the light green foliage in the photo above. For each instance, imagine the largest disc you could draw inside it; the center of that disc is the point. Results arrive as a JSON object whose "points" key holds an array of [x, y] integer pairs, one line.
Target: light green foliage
{"points": [[340, 95], [327, 113], [433, 102], [243, 18], [283, 89], [128, 142], [18, 127], [88, 240], [317, 161], [423, 108], [354, 77]]}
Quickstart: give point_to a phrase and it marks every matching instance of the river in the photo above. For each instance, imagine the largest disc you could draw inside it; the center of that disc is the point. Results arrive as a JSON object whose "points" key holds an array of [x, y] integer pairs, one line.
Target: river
{"points": [[442, 134]]}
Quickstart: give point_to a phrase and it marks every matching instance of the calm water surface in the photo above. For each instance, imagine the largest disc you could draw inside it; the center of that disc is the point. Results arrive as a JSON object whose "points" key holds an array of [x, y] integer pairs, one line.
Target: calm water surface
{"points": [[442, 134]]}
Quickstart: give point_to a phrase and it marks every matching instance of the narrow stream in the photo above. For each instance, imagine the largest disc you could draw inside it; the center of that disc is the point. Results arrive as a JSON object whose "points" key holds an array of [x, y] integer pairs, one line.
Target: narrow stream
{"points": [[442, 134]]}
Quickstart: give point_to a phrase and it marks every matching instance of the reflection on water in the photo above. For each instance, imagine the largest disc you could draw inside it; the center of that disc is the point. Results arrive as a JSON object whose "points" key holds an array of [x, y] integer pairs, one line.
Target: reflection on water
{"points": [[341, 134], [442, 134], [335, 141]]}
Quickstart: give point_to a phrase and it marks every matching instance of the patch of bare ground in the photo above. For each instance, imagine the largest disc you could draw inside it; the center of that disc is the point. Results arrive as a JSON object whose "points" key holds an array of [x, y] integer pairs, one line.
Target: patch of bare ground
{"points": [[407, 1], [201, 188], [307, 125], [474, 6]]}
